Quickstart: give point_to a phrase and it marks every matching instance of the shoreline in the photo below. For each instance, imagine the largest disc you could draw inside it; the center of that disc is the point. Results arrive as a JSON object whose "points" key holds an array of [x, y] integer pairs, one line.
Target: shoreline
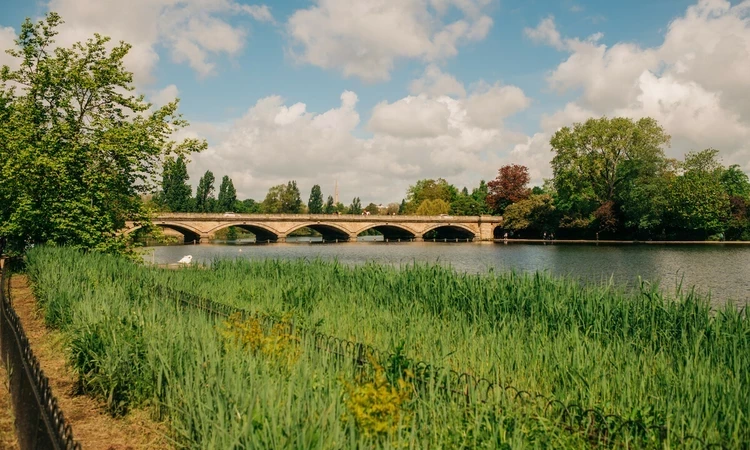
{"points": [[612, 241]]}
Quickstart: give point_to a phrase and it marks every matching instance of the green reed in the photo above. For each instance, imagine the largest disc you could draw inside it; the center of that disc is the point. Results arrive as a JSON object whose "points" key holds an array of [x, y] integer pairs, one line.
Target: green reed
{"points": [[670, 362]]}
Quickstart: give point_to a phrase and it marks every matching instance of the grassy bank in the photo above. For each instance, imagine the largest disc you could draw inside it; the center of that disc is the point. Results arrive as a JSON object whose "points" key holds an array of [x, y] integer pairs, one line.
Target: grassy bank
{"points": [[673, 364]]}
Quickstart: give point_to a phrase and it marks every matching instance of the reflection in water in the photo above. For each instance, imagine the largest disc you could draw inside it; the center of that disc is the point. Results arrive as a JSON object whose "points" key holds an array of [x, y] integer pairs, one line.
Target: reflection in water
{"points": [[721, 270]]}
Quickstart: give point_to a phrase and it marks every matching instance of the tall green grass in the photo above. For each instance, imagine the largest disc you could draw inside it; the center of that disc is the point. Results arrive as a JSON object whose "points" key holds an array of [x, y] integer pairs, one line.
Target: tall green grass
{"points": [[666, 362]]}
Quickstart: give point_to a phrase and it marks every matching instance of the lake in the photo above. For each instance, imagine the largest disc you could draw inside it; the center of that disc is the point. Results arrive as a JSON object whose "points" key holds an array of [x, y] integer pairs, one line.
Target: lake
{"points": [[723, 271]]}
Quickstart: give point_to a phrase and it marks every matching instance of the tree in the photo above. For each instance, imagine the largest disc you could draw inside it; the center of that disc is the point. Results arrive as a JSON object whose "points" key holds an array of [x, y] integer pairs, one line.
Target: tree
{"points": [[356, 206], [433, 207], [735, 182], [509, 187], [402, 207], [272, 203], [372, 208], [537, 213], [204, 193], [466, 205], [315, 204], [247, 206], [597, 161], [330, 208], [227, 195], [291, 202], [175, 195], [77, 150], [429, 189], [392, 209], [697, 200]]}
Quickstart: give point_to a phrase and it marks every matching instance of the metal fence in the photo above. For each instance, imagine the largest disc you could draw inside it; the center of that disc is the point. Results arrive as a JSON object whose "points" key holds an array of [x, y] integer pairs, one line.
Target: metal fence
{"points": [[40, 423], [598, 426]]}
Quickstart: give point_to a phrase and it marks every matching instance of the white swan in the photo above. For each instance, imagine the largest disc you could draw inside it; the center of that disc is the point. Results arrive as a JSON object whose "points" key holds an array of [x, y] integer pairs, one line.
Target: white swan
{"points": [[186, 259]]}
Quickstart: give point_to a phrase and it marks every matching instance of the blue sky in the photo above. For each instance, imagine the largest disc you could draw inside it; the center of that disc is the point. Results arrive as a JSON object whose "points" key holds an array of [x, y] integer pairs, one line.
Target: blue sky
{"points": [[519, 70]]}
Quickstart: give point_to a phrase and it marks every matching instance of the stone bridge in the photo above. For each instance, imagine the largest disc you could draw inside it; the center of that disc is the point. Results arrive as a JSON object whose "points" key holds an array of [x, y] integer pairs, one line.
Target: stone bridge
{"points": [[342, 228]]}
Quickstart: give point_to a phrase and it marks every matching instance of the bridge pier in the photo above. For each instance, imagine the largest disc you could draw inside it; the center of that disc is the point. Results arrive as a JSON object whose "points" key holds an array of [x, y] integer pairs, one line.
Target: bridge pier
{"points": [[281, 239], [418, 239]]}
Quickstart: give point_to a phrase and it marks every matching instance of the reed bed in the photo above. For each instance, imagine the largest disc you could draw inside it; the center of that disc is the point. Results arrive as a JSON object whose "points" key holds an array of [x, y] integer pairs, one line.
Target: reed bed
{"points": [[673, 363]]}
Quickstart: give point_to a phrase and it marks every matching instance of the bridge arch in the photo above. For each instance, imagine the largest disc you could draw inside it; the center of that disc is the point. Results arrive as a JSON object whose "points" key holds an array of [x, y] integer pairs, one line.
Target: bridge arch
{"points": [[390, 231], [451, 231], [329, 231], [262, 232], [190, 234]]}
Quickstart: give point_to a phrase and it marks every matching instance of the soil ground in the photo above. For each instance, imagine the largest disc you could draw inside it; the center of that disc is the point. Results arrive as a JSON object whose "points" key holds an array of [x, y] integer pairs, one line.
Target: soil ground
{"points": [[7, 433], [92, 426]]}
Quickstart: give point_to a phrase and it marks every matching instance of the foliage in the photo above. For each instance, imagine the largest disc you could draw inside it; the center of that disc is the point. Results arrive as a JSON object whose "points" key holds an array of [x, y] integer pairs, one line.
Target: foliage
{"points": [[377, 405], [537, 212], [315, 203], [329, 208], [736, 182], [466, 205], [227, 195], [429, 189], [433, 207], [283, 199], [372, 208], [594, 160], [247, 206], [176, 193], [76, 148], [291, 202], [248, 333], [697, 199], [204, 193], [355, 207], [510, 186]]}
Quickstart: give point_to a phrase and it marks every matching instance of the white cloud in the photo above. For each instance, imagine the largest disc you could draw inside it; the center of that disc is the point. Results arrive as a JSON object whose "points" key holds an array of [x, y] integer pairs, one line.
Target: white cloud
{"points": [[490, 105], [435, 82], [365, 38], [195, 32], [545, 33], [164, 96], [7, 41], [421, 136]]}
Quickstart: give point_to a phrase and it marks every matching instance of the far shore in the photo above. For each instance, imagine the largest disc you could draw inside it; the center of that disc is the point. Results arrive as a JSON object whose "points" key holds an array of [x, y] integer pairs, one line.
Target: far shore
{"points": [[612, 241]]}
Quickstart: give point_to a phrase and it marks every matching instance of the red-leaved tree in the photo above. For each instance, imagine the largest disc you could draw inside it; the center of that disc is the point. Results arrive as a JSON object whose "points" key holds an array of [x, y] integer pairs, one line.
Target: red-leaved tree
{"points": [[509, 187]]}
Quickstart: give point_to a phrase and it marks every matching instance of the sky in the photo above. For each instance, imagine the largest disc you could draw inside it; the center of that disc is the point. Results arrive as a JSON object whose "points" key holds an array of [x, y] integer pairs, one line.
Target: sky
{"points": [[376, 94]]}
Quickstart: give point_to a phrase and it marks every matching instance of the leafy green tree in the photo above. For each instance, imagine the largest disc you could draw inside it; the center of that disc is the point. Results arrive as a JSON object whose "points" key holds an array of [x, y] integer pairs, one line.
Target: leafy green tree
{"points": [[291, 202], [204, 193], [537, 213], [402, 207], [735, 182], [356, 206], [698, 202], [247, 206], [330, 208], [227, 195], [372, 208], [77, 150], [480, 194], [272, 203], [341, 208], [429, 189], [315, 204], [595, 161], [176, 192], [433, 207], [466, 205]]}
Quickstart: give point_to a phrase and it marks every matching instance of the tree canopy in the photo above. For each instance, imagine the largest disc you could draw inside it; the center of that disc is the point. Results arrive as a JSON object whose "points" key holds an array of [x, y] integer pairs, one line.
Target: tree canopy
{"points": [[77, 147], [315, 204]]}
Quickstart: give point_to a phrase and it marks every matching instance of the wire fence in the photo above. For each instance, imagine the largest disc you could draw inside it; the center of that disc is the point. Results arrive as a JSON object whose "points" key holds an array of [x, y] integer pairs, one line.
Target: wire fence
{"points": [[39, 421], [598, 426]]}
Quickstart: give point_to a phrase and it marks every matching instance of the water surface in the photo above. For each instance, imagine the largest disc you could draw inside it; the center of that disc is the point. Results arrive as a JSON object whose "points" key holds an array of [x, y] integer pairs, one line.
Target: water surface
{"points": [[723, 271]]}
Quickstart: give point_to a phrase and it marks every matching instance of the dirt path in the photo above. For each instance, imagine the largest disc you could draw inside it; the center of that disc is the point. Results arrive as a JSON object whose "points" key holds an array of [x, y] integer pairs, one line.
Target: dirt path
{"points": [[7, 434], [92, 426]]}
